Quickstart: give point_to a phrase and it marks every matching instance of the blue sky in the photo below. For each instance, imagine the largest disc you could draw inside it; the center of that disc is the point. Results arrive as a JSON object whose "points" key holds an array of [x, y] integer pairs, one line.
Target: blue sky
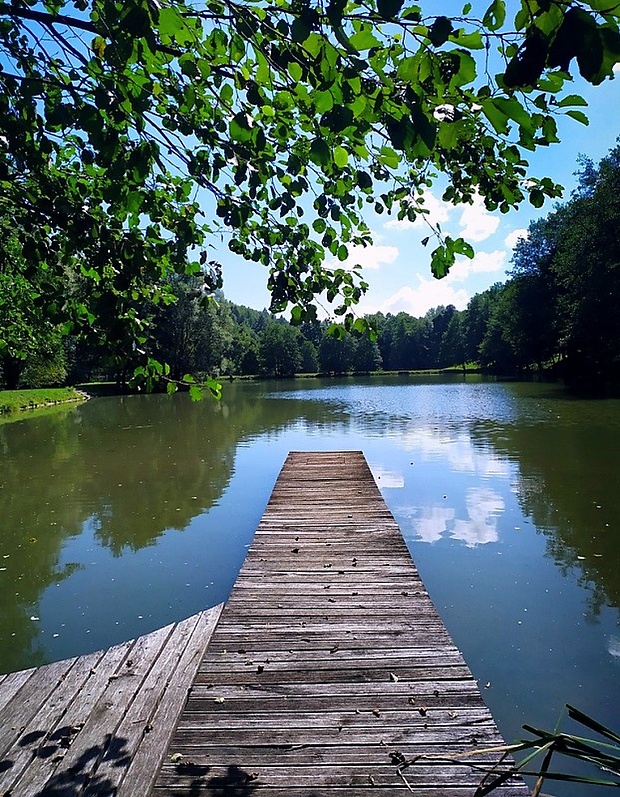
{"points": [[397, 267]]}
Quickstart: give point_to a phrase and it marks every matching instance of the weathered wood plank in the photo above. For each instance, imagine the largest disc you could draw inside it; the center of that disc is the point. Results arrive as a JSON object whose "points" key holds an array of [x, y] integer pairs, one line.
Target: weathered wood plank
{"points": [[142, 771], [330, 775], [29, 742], [237, 783], [304, 755], [99, 724], [49, 751], [11, 683], [329, 656], [193, 740], [24, 704]]}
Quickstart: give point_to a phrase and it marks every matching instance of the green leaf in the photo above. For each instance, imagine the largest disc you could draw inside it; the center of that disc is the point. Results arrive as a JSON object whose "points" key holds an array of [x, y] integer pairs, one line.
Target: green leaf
{"points": [[320, 152], [300, 29], [471, 41], [527, 66], [239, 128], [461, 247], [295, 71], [195, 393], [572, 99], [337, 331], [389, 157], [364, 40], [98, 46], [579, 116], [537, 198], [448, 134], [341, 157], [323, 101], [364, 180], [170, 22], [495, 15], [388, 9], [171, 388], [496, 117], [440, 31], [338, 119], [441, 261], [215, 388]]}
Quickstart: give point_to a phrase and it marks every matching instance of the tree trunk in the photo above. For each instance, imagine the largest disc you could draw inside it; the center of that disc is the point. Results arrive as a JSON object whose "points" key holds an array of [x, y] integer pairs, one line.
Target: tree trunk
{"points": [[11, 369]]}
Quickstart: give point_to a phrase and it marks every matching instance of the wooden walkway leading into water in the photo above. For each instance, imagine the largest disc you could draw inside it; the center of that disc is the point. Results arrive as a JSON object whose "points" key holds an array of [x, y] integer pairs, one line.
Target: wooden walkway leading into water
{"points": [[329, 666], [99, 725]]}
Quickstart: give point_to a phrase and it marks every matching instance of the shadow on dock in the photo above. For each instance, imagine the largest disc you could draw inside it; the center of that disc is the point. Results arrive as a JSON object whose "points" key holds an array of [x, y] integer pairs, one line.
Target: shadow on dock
{"points": [[99, 725]]}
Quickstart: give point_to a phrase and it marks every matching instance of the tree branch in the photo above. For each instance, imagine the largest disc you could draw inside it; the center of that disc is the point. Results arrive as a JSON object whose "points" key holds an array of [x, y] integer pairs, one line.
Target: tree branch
{"points": [[45, 18]]}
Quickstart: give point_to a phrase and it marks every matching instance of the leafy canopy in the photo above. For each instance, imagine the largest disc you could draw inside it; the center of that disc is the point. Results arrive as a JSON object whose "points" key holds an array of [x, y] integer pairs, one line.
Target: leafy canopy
{"points": [[132, 131]]}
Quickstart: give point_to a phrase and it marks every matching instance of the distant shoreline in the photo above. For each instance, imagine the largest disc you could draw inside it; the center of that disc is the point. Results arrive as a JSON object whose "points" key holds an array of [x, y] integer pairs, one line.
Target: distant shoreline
{"points": [[14, 402]]}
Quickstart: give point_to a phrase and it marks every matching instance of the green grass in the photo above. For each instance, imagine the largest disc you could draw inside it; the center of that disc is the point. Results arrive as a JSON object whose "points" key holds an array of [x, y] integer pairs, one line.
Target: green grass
{"points": [[15, 400]]}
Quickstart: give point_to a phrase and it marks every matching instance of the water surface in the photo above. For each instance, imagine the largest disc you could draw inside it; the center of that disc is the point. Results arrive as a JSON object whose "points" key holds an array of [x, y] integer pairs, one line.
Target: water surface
{"points": [[125, 514]]}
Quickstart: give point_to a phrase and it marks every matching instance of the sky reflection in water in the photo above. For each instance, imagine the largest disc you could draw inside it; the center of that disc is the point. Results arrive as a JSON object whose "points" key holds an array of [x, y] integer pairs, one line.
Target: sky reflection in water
{"points": [[142, 509]]}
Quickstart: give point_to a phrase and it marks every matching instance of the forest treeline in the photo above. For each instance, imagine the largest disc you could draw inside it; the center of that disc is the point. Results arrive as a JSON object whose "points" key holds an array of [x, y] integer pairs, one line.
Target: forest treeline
{"points": [[559, 311]]}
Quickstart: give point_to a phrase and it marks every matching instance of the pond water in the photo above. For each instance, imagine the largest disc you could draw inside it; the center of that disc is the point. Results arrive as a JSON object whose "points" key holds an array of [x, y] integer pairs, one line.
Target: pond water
{"points": [[125, 514]]}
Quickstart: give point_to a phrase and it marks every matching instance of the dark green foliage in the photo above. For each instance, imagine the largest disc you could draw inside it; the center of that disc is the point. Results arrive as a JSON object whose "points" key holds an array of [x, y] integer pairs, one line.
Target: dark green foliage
{"points": [[561, 308], [452, 349], [366, 354], [279, 353], [336, 354], [309, 358], [559, 311], [131, 132], [47, 367]]}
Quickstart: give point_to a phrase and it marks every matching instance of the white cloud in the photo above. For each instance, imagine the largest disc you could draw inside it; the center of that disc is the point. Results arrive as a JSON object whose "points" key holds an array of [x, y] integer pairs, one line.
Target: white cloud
{"points": [[368, 257], [426, 292], [417, 300], [482, 263], [435, 520], [476, 222], [388, 478], [438, 213], [617, 69], [484, 506], [513, 237], [431, 444]]}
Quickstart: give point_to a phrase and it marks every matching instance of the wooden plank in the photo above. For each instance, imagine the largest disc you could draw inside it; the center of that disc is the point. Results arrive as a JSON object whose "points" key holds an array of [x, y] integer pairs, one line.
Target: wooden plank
{"points": [[148, 757], [332, 775], [328, 657], [30, 740], [25, 703], [236, 782], [48, 754], [192, 740], [100, 723], [11, 683]]}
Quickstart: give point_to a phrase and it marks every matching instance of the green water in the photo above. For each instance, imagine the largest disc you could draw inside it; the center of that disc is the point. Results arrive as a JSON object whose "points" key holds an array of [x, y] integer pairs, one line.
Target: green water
{"points": [[124, 514]]}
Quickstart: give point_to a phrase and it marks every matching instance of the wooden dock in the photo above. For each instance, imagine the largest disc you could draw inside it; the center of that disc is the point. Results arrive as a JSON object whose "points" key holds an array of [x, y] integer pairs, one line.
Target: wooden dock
{"points": [[99, 725], [327, 674], [330, 666]]}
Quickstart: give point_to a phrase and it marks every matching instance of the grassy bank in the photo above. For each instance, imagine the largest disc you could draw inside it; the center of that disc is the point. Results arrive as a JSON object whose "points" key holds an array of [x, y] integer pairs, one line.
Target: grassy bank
{"points": [[16, 400]]}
